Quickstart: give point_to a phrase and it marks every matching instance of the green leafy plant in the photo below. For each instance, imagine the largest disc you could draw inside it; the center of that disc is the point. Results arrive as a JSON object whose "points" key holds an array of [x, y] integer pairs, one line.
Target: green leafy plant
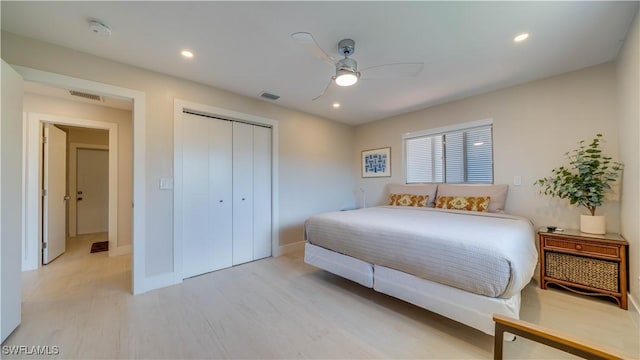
{"points": [[586, 179]]}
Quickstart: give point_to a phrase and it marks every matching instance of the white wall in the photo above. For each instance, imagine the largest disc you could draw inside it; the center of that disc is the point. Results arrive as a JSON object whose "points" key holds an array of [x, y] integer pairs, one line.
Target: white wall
{"points": [[78, 110], [11, 204], [628, 76], [315, 153], [535, 124]]}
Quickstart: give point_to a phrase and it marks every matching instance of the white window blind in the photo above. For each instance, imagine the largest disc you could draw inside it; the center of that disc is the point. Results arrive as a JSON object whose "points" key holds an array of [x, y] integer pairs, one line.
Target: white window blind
{"points": [[454, 152], [458, 156], [424, 159], [479, 152]]}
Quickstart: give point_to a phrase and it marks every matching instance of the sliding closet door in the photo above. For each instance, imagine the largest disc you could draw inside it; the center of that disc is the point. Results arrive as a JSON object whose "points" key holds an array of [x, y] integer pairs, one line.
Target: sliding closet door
{"points": [[261, 192], [242, 193], [207, 194]]}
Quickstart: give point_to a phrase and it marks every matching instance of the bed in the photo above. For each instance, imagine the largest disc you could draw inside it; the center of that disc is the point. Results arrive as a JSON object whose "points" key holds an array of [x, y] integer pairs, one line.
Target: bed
{"points": [[465, 265]]}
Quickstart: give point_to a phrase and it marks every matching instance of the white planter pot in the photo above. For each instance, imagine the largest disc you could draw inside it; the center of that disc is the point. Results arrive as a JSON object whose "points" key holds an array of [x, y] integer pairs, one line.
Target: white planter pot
{"points": [[592, 224]]}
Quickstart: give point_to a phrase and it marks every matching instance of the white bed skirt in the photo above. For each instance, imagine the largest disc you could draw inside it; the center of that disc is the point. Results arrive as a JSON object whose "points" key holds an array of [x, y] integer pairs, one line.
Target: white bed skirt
{"points": [[459, 305], [470, 309], [346, 266]]}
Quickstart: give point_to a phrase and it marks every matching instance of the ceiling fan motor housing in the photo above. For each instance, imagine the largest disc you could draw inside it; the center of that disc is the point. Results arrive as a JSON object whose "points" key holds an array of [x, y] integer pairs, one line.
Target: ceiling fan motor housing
{"points": [[346, 72], [348, 65], [346, 47]]}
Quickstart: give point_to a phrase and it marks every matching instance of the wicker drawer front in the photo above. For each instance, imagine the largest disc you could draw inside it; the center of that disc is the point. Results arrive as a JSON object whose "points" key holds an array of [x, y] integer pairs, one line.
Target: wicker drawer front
{"points": [[587, 248], [596, 273]]}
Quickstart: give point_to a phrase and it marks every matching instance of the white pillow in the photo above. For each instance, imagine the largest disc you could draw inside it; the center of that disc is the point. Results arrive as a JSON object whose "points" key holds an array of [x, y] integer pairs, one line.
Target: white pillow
{"points": [[416, 189], [498, 193]]}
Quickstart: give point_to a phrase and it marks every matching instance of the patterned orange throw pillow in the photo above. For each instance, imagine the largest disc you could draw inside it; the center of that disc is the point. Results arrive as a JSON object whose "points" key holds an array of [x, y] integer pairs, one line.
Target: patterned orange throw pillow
{"points": [[408, 200], [469, 203]]}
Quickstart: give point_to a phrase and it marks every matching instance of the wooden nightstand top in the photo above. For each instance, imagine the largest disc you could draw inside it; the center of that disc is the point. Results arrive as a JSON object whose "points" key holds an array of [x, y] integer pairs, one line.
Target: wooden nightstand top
{"points": [[577, 234]]}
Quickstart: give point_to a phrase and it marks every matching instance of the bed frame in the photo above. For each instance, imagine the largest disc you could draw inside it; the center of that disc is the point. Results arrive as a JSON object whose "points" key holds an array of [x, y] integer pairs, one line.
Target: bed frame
{"points": [[467, 308]]}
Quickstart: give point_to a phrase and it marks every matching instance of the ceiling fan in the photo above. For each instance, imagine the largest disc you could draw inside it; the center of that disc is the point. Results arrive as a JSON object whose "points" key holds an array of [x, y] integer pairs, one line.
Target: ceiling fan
{"points": [[347, 73]]}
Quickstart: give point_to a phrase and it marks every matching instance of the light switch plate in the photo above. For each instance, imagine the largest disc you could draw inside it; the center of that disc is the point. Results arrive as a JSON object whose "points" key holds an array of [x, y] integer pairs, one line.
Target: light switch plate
{"points": [[166, 183], [517, 180]]}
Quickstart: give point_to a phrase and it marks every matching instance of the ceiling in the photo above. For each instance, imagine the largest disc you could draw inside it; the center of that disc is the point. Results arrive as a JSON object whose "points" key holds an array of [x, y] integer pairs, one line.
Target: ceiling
{"points": [[245, 47]]}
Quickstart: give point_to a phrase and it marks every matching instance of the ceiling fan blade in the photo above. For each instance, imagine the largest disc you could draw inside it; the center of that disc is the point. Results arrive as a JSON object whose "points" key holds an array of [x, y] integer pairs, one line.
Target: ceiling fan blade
{"points": [[307, 40], [326, 89], [388, 71]]}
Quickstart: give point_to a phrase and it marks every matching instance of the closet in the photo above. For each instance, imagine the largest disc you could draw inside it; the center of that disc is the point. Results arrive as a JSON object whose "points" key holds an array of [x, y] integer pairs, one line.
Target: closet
{"points": [[226, 193]]}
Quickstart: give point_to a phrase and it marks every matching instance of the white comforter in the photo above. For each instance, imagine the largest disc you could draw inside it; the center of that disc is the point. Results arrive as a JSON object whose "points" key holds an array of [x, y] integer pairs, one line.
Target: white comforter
{"points": [[484, 253]]}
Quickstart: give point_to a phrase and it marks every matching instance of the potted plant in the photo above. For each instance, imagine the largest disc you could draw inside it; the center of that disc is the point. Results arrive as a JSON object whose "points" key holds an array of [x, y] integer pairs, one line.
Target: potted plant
{"points": [[584, 182]]}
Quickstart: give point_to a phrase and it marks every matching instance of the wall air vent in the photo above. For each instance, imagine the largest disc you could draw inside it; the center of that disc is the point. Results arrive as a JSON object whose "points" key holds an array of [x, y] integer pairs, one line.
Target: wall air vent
{"points": [[85, 95], [269, 96]]}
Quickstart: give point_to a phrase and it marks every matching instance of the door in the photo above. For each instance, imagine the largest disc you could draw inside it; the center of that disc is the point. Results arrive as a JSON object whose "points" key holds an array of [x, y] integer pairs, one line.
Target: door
{"points": [[54, 204], [242, 193], [207, 194], [92, 195], [225, 187], [261, 192], [11, 204], [251, 192]]}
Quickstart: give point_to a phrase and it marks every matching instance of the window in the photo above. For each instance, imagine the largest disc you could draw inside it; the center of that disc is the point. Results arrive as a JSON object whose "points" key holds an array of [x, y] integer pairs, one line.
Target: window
{"points": [[457, 154]]}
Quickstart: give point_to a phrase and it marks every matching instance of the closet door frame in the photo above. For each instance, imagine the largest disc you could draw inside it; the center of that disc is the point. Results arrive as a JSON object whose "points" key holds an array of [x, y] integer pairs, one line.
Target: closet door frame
{"points": [[180, 106]]}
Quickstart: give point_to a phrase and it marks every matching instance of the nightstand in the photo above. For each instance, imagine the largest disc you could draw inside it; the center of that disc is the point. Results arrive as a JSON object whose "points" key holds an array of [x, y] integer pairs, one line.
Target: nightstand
{"points": [[594, 265]]}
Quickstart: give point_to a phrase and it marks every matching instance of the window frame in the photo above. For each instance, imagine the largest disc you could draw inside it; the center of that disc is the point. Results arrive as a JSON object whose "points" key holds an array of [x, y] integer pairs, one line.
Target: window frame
{"points": [[442, 131]]}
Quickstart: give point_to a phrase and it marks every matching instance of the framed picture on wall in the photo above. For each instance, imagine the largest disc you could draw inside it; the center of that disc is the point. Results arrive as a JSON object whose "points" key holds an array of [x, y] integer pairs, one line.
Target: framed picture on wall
{"points": [[376, 163]]}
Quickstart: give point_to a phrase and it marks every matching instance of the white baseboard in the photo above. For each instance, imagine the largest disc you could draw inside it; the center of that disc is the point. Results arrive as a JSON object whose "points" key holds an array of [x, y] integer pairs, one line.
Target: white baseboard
{"points": [[634, 309], [289, 248], [159, 281], [121, 250]]}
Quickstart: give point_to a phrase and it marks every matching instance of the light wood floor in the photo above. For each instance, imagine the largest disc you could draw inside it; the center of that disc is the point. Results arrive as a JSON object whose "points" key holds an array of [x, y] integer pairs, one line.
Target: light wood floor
{"points": [[273, 308]]}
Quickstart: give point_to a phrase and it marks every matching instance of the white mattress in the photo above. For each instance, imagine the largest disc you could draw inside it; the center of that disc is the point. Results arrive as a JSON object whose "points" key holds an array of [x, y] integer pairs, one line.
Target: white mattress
{"points": [[342, 265], [487, 254]]}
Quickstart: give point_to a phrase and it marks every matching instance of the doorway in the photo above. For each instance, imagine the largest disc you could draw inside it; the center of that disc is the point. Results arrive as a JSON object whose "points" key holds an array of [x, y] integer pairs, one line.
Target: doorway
{"points": [[140, 282], [75, 181], [33, 250]]}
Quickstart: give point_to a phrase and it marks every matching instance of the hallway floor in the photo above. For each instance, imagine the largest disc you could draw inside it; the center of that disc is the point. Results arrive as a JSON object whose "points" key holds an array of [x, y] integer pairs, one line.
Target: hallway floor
{"points": [[78, 274]]}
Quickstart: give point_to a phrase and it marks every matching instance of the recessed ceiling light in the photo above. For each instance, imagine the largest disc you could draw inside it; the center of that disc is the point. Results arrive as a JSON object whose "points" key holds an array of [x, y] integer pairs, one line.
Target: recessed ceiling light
{"points": [[521, 37], [479, 143], [187, 54], [336, 105]]}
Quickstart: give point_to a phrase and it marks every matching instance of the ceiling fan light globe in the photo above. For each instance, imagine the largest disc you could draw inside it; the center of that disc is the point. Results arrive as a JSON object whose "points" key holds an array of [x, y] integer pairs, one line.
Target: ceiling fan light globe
{"points": [[346, 78]]}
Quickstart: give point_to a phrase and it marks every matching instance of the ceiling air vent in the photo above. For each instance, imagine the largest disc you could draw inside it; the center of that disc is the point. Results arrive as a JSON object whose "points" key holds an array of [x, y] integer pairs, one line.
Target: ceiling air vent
{"points": [[269, 96], [85, 95]]}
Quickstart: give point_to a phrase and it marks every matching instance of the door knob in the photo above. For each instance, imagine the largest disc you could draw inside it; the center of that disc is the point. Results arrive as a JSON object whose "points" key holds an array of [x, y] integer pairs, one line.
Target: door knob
{"points": [[67, 197]]}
